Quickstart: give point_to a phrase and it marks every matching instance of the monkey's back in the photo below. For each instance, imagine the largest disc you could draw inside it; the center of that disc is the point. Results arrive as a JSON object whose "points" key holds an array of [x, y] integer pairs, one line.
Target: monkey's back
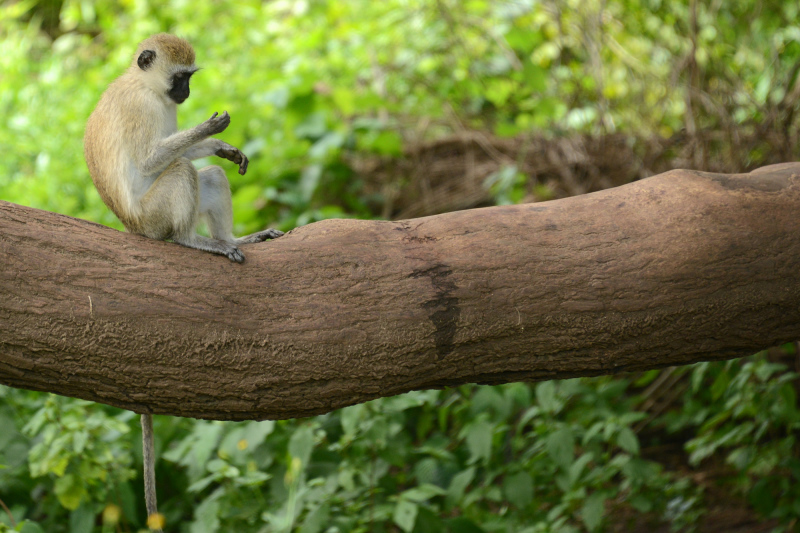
{"points": [[119, 131]]}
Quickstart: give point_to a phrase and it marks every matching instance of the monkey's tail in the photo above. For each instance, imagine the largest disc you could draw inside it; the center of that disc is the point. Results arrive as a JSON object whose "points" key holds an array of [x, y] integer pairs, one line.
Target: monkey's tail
{"points": [[149, 461]]}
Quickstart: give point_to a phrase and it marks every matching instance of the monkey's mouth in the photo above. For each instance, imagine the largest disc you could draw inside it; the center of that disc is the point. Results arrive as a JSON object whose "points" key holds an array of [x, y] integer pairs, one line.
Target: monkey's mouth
{"points": [[179, 96]]}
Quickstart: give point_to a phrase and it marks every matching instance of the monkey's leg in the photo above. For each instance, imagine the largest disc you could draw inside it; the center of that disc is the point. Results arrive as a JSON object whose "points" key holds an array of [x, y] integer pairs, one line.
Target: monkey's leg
{"points": [[170, 210], [149, 461], [216, 208], [215, 202]]}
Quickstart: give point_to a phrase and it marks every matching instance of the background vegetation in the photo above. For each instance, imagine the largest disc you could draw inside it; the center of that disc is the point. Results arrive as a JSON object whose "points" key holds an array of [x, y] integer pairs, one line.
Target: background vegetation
{"points": [[403, 108]]}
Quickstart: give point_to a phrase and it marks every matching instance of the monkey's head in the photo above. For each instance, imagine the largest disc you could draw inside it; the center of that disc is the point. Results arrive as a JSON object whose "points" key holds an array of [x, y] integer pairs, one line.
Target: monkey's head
{"points": [[166, 63]]}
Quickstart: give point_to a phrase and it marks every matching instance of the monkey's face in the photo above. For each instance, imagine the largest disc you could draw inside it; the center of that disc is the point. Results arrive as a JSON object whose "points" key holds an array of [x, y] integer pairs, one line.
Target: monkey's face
{"points": [[168, 73], [179, 91]]}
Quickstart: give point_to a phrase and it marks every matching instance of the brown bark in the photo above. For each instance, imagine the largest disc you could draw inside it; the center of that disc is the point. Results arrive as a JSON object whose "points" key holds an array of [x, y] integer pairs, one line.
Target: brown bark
{"points": [[678, 268]]}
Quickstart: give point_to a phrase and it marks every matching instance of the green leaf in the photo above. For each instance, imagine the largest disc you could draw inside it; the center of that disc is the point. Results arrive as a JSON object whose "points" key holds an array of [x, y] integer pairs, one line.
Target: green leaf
{"points": [[761, 496], [423, 493], [646, 378], [9, 432], [458, 485], [479, 441], [405, 515], [627, 440], [195, 451], [787, 406], [499, 90], [26, 526], [518, 489], [329, 143], [79, 440], [639, 471], [70, 491], [302, 443], [252, 479], [81, 520], [489, 400], [217, 465], [641, 503], [428, 522], [316, 519], [698, 374], [206, 517], [128, 500], [560, 447], [535, 77], [350, 417], [201, 484], [592, 511], [546, 396], [344, 100], [388, 143], [576, 468], [524, 39], [720, 385], [278, 97], [36, 422], [309, 180], [463, 525]]}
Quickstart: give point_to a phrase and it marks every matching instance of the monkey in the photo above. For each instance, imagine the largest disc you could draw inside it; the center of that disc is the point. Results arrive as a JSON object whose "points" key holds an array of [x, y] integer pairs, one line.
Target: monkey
{"points": [[141, 166]]}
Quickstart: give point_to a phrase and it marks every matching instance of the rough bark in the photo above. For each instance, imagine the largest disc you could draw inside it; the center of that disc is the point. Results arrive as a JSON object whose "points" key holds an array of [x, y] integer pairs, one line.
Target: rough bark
{"points": [[678, 268]]}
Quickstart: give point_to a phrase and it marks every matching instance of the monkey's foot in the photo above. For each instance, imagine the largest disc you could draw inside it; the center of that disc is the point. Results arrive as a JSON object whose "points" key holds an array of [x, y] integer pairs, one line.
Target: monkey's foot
{"points": [[227, 249], [260, 236], [215, 246], [234, 254]]}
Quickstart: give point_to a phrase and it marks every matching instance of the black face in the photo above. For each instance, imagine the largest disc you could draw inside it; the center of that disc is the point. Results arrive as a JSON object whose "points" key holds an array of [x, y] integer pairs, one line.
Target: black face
{"points": [[180, 86]]}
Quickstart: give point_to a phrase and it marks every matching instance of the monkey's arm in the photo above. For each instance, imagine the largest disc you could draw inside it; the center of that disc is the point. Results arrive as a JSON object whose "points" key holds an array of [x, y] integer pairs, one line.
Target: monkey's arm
{"points": [[204, 148], [219, 148], [176, 145]]}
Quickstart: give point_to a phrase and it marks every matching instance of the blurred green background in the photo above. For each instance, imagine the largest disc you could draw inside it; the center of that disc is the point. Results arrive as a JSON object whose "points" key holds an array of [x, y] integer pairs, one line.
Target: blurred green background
{"points": [[398, 109]]}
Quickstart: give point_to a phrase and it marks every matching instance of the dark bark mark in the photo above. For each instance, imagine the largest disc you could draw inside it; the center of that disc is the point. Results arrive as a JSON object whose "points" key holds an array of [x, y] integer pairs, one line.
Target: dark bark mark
{"points": [[444, 306], [420, 240]]}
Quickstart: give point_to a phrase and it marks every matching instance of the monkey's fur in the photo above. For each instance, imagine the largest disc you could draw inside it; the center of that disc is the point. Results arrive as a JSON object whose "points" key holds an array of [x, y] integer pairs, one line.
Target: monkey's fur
{"points": [[140, 162], [141, 166]]}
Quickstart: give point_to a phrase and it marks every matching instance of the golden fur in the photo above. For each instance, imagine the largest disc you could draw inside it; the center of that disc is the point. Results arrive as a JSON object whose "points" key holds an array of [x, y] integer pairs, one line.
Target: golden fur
{"points": [[177, 50]]}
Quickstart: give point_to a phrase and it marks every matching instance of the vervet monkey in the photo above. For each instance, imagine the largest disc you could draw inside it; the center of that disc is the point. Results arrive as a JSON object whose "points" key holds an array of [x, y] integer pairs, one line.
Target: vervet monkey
{"points": [[141, 166], [140, 162]]}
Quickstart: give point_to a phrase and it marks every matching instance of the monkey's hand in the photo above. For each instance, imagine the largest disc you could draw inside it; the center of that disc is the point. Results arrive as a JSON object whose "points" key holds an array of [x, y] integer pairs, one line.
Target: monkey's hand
{"points": [[231, 153], [216, 124]]}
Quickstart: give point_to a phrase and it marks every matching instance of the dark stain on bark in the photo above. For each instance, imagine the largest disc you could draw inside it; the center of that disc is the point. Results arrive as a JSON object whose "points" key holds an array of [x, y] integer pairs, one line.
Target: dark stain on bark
{"points": [[444, 308], [420, 240]]}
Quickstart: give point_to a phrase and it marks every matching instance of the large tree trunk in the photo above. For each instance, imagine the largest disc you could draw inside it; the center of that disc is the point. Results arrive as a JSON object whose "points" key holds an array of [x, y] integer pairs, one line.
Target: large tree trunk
{"points": [[682, 267]]}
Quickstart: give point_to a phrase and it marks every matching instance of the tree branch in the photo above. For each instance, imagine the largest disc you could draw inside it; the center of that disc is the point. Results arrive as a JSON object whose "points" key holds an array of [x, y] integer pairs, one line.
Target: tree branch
{"points": [[678, 268]]}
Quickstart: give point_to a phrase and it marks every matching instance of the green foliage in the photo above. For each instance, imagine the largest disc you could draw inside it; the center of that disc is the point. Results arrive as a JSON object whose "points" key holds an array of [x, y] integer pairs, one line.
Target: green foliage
{"points": [[467, 459], [310, 85], [551, 457], [746, 412]]}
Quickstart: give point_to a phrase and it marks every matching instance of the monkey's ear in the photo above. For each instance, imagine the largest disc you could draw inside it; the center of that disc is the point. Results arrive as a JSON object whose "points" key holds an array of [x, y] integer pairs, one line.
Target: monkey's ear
{"points": [[146, 59]]}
